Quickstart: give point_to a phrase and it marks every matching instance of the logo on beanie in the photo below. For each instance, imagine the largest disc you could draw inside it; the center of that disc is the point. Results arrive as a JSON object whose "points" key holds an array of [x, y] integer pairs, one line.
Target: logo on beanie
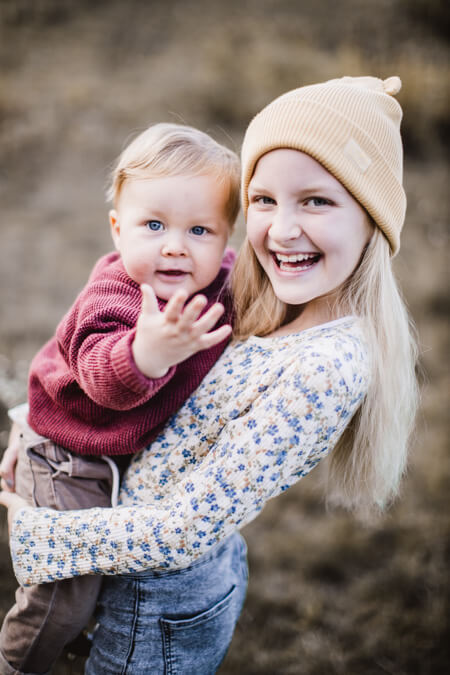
{"points": [[356, 154]]}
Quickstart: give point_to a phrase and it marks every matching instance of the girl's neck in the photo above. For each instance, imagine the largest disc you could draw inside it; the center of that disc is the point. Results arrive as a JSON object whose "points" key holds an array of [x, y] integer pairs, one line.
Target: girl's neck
{"points": [[307, 316]]}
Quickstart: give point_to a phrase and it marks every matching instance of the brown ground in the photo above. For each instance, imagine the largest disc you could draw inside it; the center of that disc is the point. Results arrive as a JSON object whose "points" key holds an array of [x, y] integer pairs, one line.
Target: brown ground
{"points": [[327, 595]]}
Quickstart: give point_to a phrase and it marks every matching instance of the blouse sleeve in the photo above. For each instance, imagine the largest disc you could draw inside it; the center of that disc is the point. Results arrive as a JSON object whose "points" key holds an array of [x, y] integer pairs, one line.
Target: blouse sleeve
{"points": [[267, 448]]}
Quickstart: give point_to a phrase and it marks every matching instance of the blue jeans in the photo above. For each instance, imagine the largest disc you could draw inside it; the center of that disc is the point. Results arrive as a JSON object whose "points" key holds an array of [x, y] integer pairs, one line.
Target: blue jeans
{"points": [[171, 622]]}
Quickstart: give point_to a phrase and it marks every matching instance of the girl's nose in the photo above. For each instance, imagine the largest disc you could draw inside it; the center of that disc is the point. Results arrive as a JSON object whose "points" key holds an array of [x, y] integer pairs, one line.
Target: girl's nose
{"points": [[174, 246], [285, 226]]}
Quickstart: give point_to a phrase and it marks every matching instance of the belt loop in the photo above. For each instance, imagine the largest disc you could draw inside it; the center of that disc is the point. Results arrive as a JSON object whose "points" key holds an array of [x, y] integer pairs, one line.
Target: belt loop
{"points": [[115, 479]]}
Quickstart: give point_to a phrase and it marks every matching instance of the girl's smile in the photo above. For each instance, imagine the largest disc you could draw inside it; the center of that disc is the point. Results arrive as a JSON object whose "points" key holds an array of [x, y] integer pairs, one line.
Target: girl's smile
{"points": [[306, 229], [295, 262]]}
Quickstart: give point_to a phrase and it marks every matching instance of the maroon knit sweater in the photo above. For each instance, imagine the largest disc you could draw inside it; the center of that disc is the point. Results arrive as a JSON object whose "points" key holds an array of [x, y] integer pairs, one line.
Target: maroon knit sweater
{"points": [[85, 391]]}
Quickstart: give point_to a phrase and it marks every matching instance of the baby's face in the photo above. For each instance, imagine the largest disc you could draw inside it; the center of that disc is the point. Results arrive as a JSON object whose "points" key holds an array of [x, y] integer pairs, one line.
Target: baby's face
{"points": [[171, 232]]}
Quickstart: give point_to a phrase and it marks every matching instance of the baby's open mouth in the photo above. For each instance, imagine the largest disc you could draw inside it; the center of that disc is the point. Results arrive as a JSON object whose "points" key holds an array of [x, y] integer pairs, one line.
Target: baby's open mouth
{"points": [[173, 273], [295, 261]]}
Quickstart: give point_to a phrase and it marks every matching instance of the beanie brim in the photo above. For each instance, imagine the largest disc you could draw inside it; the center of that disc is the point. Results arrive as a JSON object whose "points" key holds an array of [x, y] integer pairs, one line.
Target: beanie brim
{"points": [[325, 134]]}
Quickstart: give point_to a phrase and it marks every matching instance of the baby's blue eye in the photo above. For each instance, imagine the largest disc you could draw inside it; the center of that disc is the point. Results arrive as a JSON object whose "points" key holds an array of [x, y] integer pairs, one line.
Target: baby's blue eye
{"points": [[154, 225], [198, 230]]}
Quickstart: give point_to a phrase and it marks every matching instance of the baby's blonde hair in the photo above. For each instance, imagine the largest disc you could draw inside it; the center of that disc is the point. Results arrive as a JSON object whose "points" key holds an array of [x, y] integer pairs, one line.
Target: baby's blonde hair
{"points": [[172, 150], [364, 469]]}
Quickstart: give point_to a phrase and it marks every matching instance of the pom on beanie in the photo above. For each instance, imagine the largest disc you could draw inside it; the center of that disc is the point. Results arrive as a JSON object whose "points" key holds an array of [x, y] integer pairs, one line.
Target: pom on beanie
{"points": [[351, 126]]}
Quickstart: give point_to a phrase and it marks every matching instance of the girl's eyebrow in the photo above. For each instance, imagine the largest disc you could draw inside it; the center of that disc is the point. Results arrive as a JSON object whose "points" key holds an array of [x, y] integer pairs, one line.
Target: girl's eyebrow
{"points": [[255, 187], [307, 189], [319, 187]]}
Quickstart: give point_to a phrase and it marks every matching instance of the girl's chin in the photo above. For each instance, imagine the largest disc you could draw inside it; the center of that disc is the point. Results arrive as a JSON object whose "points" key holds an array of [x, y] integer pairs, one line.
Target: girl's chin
{"points": [[292, 296]]}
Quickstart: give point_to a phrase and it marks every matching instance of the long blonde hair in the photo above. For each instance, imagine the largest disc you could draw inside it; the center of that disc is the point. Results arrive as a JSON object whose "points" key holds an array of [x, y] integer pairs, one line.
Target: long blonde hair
{"points": [[365, 467]]}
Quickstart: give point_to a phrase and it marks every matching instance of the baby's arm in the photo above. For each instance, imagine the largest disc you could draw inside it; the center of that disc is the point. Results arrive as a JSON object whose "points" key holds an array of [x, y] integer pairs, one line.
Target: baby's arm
{"points": [[96, 340], [165, 338]]}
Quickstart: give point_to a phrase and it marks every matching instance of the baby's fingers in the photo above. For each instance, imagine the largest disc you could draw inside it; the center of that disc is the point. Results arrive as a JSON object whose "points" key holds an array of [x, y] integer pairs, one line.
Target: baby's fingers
{"points": [[209, 319], [208, 340], [193, 310], [174, 307], [149, 301]]}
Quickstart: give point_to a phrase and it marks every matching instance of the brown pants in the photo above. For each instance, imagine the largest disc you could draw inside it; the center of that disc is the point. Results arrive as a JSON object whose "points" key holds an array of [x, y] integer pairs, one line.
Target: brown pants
{"points": [[46, 617]]}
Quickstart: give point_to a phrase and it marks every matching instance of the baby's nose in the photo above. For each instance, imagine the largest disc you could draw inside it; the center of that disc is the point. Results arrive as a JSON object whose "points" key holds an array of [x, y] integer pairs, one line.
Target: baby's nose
{"points": [[174, 246]]}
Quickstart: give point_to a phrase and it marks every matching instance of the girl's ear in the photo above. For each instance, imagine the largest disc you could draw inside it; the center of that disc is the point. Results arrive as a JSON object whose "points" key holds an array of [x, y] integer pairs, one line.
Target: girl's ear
{"points": [[115, 228]]}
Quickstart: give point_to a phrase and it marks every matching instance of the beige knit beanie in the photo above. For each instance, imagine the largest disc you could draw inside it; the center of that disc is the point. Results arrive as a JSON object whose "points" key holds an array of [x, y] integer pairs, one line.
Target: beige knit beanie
{"points": [[352, 127]]}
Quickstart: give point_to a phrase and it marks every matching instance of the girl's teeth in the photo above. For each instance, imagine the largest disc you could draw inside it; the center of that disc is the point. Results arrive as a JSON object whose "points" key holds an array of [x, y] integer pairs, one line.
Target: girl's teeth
{"points": [[291, 268], [296, 261], [298, 257]]}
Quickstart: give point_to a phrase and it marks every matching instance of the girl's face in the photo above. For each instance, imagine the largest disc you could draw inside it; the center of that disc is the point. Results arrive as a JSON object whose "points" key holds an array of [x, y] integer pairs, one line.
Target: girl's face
{"points": [[306, 229]]}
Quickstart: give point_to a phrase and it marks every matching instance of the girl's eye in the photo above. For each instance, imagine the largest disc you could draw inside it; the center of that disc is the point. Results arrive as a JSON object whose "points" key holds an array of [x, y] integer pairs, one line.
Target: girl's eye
{"points": [[198, 230], [318, 201], [264, 199], [154, 225]]}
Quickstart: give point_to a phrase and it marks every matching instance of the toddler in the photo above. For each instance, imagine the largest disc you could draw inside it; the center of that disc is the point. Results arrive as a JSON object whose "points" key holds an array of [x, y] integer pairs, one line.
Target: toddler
{"points": [[125, 356]]}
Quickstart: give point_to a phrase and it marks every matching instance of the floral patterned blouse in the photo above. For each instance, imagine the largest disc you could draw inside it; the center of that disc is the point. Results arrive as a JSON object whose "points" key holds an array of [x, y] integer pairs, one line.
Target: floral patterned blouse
{"points": [[268, 411]]}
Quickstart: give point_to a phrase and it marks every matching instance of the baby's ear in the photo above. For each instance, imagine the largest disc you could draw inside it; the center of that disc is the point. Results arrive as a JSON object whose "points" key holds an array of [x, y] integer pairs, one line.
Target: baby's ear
{"points": [[115, 227]]}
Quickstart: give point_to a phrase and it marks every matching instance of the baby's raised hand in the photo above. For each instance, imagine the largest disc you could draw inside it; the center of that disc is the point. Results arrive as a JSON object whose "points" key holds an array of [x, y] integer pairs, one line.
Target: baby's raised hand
{"points": [[166, 338]]}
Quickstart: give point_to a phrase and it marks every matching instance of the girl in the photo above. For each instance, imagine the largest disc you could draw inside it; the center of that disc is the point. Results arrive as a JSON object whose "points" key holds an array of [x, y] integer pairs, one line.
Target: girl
{"points": [[322, 364]]}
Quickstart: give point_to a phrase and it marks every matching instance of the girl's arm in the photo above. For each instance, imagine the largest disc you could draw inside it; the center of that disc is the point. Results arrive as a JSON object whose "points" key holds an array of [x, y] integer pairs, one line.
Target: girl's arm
{"points": [[283, 435]]}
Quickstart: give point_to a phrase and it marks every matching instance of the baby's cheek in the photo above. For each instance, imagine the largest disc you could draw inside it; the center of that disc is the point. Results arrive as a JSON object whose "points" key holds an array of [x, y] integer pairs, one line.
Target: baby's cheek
{"points": [[140, 269]]}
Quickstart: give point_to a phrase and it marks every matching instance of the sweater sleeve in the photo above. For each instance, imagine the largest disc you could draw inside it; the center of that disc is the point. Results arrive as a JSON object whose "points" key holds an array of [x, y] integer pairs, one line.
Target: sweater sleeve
{"points": [[91, 353], [95, 339], [85, 391], [255, 456]]}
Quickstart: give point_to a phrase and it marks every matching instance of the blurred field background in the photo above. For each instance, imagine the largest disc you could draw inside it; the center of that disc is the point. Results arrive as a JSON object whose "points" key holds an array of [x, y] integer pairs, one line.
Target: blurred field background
{"points": [[327, 594]]}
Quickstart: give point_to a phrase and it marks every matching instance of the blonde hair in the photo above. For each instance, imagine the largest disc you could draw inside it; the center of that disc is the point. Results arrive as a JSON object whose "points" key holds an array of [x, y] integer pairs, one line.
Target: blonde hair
{"points": [[172, 150], [365, 467]]}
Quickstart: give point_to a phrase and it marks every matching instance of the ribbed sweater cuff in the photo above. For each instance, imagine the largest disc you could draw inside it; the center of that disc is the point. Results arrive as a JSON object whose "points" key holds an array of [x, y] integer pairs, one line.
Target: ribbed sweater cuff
{"points": [[129, 374]]}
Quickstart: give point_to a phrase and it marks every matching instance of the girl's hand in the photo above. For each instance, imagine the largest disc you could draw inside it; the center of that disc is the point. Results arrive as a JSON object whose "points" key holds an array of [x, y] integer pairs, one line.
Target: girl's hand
{"points": [[9, 459], [166, 338], [13, 503]]}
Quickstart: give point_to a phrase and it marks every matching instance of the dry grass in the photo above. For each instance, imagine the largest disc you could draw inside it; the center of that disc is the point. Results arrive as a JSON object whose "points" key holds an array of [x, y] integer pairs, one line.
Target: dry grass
{"points": [[327, 595]]}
